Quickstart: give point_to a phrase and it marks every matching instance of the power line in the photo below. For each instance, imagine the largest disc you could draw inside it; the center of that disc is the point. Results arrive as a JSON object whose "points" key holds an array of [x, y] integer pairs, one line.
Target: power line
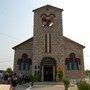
{"points": [[9, 36], [5, 57], [6, 61]]}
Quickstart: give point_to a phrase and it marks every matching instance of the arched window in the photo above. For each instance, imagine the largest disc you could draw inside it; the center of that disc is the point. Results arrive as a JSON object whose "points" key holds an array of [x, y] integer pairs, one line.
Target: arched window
{"points": [[72, 63], [47, 20], [24, 62]]}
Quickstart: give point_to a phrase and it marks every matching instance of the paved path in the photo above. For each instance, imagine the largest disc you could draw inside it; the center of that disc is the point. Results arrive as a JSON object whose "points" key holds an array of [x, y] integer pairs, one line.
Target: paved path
{"points": [[38, 87], [21, 87], [51, 87]]}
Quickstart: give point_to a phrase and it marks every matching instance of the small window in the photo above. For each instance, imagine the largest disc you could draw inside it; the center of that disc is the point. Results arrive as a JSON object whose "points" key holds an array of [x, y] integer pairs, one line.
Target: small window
{"points": [[39, 67], [48, 43], [35, 67], [38, 72], [35, 72]]}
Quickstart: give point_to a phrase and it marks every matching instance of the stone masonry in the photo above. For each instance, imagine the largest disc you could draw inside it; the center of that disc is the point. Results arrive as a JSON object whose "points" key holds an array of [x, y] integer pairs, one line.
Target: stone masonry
{"points": [[61, 47]]}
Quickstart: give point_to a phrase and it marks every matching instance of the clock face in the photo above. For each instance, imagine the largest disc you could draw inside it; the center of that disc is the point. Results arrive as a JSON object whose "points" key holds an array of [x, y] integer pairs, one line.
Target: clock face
{"points": [[47, 20]]}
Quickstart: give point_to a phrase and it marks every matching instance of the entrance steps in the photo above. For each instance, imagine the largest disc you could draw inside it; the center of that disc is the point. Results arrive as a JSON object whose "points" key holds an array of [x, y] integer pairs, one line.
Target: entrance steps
{"points": [[48, 83]]}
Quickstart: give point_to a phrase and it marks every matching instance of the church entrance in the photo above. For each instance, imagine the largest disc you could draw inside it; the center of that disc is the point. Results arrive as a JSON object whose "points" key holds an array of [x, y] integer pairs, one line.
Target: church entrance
{"points": [[48, 73], [48, 70]]}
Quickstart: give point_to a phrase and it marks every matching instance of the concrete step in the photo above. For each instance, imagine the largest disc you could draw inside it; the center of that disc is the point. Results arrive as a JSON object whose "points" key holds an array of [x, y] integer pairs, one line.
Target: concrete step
{"points": [[48, 83]]}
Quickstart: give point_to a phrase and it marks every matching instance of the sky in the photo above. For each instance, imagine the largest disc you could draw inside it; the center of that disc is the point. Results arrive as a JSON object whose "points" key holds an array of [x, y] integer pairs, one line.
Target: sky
{"points": [[16, 25]]}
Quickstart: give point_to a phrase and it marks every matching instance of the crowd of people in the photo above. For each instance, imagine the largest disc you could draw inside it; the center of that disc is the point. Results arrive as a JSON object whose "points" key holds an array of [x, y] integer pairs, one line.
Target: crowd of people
{"points": [[13, 79]]}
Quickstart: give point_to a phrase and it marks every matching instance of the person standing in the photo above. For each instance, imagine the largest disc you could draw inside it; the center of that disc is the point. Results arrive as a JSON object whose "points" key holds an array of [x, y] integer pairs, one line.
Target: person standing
{"points": [[13, 82], [1, 77]]}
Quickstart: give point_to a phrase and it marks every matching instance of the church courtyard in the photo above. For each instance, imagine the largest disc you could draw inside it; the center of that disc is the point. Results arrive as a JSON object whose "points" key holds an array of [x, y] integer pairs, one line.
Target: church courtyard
{"points": [[52, 87], [38, 87]]}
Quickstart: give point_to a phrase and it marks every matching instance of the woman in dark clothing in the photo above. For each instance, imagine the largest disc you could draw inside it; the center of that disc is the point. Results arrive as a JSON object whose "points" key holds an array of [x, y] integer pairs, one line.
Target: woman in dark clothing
{"points": [[13, 82]]}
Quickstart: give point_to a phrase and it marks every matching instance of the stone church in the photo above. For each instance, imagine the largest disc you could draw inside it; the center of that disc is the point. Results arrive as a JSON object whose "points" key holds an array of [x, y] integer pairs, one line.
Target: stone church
{"points": [[48, 51]]}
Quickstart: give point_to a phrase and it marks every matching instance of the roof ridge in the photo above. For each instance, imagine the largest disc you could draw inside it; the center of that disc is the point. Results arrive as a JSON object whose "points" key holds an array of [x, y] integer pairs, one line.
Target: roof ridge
{"points": [[48, 6], [23, 42], [74, 41]]}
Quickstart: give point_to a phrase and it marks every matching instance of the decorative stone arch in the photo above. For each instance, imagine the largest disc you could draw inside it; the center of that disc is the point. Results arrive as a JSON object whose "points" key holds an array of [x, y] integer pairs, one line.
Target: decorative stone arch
{"points": [[48, 61], [24, 55], [48, 70]]}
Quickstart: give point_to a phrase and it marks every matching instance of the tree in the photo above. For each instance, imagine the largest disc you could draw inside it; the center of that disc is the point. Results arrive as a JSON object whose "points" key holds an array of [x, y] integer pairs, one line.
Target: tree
{"points": [[9, 71]]}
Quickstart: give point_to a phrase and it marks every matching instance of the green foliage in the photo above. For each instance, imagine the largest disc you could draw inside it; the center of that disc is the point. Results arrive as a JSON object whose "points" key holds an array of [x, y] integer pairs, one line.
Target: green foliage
{"points": [[60, 75], [35, 78], [32, 80], [38, 77], [82, 85], [87, 72], [9, 71], [89, 76], [66, 83]]}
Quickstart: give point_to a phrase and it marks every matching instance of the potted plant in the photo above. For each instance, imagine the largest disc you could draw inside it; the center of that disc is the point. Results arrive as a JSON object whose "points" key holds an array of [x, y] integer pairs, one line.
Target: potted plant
{"points": [[66, 82], [60, 75]]}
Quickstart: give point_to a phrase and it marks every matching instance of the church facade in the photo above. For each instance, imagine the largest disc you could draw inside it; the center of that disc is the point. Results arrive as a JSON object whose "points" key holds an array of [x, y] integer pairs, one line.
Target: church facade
{"points": [[48, 51]]}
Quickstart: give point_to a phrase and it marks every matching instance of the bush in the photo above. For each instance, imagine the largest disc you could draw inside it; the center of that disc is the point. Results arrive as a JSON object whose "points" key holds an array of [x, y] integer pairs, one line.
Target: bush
{"points": [[66, 83], [35, 78], [32, 80], [39, 78], [82, 85], [60, 75]]}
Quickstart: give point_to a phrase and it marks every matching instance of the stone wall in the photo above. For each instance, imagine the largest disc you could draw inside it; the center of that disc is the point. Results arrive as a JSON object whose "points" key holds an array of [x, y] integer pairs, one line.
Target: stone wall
{"points": [[61, 46], [26, 47], [56, 36], [72, 47]]}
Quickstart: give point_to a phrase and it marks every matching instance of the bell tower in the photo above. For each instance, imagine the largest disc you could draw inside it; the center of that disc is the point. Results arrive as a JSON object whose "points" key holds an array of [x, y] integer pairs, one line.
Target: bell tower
{"points": [[48, 34]]}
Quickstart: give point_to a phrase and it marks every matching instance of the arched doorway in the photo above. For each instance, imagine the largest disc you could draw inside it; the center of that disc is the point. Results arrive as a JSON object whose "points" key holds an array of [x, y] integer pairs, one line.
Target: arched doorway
{"points": [[48, 69]]}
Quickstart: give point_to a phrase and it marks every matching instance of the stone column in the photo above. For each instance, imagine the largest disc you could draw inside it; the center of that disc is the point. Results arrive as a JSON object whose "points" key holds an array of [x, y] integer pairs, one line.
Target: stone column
{"points": [[42, 73], [53, 73], [33, 69]]}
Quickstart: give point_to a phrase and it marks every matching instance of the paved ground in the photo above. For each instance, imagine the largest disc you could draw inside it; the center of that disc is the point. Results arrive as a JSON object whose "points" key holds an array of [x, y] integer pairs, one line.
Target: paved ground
{"points": [[53, 87], [47, 87], [38, 87], [41, 86], [21, 87]]}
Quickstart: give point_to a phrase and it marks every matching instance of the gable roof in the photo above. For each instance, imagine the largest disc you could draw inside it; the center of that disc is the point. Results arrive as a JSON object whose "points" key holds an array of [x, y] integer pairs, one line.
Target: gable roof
{"points": [[48, 6], [31, 39], [74, 42]]}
